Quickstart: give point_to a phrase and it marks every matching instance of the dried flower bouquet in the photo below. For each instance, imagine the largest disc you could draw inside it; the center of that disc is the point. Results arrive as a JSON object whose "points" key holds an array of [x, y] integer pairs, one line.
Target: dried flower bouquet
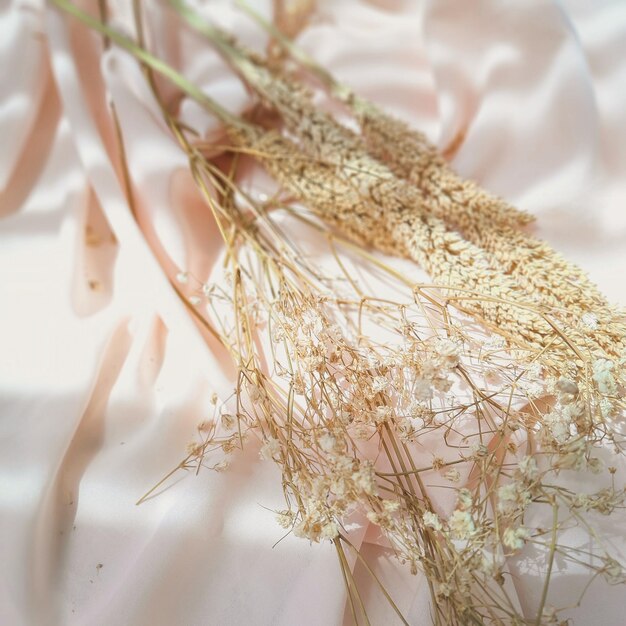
{"points": [[453, 416]]}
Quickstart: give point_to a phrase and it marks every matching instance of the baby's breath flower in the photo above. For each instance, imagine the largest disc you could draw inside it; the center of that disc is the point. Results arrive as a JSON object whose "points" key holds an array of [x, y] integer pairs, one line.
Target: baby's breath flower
{"points": [[461, 525], [391, 506], [507, 497], [449, 352], [365, 479], [354, 389], [559, 423], [327, 442], [422, 413], [270, 449], [464, 499], [431, 520], [528, 468], [442, 383], [423, 389], [254, 393], [515, 538], [373, 517], [453, 475], [382, 414], [330, 530], [479, 450]]}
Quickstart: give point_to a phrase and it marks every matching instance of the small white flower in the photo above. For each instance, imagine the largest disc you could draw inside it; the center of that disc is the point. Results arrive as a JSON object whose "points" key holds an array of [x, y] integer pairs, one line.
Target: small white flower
{"points": [[453, 475], [391, 506], [365, 479], [461, 525], [560, 431], [382, 414], [431, 520], [508, 497], [441, 383], [255, 394], [330, 530], [373, 517], [327, 442], [380, 383], [448, 351], [270, 449], [423, 389], [559, 423], [182, 278], [488, 565], [464, 499], [607, 408], [312, 322], [479, 449], [300, 531], [528, 468], [515, 538]]}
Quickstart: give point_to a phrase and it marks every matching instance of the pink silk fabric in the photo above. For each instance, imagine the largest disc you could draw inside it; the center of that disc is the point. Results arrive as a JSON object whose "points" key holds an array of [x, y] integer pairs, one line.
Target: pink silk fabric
{"points": [[103, 374]]}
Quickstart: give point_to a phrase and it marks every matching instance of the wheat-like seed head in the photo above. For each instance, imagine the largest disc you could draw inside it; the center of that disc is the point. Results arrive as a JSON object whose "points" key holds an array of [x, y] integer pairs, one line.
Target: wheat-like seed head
{"points": [[523, 268]]}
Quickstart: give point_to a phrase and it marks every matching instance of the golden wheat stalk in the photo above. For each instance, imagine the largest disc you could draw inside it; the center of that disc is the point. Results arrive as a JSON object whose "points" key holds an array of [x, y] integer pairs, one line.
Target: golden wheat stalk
{"points": [[412, 155], [465, 207]]}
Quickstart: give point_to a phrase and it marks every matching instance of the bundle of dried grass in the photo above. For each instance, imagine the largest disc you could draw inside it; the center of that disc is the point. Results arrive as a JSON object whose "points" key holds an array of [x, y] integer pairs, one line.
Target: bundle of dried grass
{"points": [[380, 407]]}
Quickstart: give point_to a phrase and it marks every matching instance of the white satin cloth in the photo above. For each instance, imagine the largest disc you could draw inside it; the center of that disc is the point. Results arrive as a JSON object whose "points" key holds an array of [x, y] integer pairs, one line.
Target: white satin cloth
{"points": [[103, 375]]}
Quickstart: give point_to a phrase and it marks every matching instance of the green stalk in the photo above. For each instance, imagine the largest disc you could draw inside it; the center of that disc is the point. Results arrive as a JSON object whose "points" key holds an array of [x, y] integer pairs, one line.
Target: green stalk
{"points": [[153, 62]]}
